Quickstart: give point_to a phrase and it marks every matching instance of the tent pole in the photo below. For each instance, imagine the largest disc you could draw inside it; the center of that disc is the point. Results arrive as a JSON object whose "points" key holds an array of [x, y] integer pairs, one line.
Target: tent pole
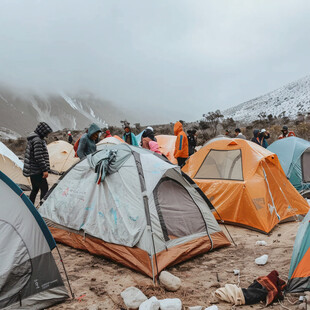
{"points": [[222, 221], [63, 265]]}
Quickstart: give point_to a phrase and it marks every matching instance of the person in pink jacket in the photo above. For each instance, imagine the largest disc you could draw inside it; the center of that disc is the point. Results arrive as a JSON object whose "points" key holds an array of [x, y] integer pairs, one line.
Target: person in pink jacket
{"points": [[154, 147]]}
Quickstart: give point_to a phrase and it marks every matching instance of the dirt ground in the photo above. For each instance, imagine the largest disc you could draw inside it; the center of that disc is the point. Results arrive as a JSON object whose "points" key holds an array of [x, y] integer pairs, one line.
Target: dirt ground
{"points": [[98, 282]]}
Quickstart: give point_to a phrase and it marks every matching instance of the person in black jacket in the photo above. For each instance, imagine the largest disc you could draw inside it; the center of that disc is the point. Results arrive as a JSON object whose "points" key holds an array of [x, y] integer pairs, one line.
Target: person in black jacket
{"points": [[36, 164], [191, 136]]}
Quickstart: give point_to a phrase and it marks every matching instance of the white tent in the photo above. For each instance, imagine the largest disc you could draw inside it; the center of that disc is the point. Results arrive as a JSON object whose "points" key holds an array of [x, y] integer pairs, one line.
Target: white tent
{"points": [[12, 166], [61, 155]]}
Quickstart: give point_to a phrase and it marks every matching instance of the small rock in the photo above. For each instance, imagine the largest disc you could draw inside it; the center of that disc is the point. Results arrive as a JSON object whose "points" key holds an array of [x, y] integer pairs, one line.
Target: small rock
{"points": [[279, 235], [213, 307], [169, 281], [150, 304], [133, 297], [93, 279], [195, 308], [170, 304]]}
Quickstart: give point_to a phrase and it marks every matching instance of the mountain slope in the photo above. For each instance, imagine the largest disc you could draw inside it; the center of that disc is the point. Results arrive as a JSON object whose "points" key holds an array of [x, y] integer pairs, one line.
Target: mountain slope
{"points": [[290, 99], [19, 113]]}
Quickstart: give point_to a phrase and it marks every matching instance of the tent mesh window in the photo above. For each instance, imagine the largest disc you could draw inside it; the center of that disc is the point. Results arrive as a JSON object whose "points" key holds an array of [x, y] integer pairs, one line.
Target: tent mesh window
{"points": [[178, 213], [220, 164], [305, 167]]}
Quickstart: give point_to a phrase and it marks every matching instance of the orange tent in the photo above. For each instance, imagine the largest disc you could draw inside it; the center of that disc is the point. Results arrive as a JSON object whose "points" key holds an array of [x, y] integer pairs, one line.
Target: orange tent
{"points": [[245, 183], [166, 145]]}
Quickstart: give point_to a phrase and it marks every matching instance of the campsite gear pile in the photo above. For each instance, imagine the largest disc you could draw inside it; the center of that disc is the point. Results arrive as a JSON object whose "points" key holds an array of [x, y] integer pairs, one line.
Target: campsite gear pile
{"points": [[268, 288], [245, 183], [145, 214], [29, 277]]}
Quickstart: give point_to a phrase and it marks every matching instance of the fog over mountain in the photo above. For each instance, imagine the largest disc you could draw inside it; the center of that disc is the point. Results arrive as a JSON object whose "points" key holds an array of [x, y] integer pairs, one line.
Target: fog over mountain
{"points": [[160, 60]]}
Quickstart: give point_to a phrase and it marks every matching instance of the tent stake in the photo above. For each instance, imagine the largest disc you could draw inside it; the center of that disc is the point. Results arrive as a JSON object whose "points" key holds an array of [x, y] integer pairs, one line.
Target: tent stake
{"points": [[63, 265]]}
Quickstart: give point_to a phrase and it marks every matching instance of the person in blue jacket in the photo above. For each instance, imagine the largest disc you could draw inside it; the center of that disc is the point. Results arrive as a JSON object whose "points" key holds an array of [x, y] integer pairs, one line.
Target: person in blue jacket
{"points": [[129, 137], [263, 136], [87, 144]]}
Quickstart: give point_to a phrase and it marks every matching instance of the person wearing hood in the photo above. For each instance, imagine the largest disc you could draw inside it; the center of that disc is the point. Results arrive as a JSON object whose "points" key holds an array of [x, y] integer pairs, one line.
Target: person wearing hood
{"points": [[129, 137], [37, 164], [87, 144], [181, 144], [255, 138]]}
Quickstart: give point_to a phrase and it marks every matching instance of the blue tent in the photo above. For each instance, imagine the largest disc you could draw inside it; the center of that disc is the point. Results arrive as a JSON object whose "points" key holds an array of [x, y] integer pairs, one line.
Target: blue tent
{"points": [[299, 274], [294, 156]]}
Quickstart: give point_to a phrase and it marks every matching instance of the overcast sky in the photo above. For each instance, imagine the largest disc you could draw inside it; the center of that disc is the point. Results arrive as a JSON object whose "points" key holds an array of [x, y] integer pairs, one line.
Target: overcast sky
{"points": [[168, 59]]}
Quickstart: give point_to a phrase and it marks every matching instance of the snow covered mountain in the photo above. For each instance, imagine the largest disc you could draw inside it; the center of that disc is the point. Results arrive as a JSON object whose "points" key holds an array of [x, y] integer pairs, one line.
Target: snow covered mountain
{"points": [[20, 112], [288, 100]]}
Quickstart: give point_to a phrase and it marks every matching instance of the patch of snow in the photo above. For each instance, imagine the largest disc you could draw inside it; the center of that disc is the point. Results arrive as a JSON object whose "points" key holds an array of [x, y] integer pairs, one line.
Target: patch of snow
{"points": [[1, 97], [70, 101], [289, 100]]}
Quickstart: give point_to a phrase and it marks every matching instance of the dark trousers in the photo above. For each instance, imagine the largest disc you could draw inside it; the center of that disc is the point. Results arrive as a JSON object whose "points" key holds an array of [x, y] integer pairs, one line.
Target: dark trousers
{"points": [[38, 183], [181, 161]]}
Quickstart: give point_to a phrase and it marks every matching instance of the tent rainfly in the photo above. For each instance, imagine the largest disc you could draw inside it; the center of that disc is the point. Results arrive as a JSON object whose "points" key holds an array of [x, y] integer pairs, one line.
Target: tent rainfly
{"points": [[166, 145], [299, 274], [132, 206], [29, 277], [245, 183], [294, 157], [12, 166]]}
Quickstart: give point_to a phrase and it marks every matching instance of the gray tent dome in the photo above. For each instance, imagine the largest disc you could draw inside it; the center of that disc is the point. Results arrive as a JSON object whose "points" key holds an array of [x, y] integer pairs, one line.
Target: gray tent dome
{"points": [[134, 207], [29, 277]]}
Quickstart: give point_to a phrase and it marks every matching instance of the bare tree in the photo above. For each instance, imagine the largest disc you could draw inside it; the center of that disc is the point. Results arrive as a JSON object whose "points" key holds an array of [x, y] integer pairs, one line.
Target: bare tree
{"points": [[213, 119]]}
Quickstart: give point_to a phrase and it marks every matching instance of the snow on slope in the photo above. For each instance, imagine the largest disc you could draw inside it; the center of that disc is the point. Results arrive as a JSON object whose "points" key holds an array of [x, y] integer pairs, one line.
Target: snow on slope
{"points": [[292, 99], [20, 112]]}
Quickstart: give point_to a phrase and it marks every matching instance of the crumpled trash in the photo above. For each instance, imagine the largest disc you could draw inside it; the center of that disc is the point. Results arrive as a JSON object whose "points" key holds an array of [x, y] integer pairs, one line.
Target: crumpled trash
{"points": [[262, 260]]}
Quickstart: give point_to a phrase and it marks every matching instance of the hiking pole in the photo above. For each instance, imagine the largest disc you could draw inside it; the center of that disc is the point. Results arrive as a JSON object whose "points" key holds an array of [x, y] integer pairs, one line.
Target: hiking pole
{"points": [[222, 221], [63, 265]]}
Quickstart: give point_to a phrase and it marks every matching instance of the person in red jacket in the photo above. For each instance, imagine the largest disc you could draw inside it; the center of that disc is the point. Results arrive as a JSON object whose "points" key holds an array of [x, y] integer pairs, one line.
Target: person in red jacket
{"points": [[286, 133], [181, 144]]}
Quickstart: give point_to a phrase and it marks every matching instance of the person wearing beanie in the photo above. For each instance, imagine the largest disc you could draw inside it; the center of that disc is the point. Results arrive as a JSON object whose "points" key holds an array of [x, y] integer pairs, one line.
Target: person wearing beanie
{"points": [[36, 164], [70, 139], [129, 137], [286, 133], [87, 144]]}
